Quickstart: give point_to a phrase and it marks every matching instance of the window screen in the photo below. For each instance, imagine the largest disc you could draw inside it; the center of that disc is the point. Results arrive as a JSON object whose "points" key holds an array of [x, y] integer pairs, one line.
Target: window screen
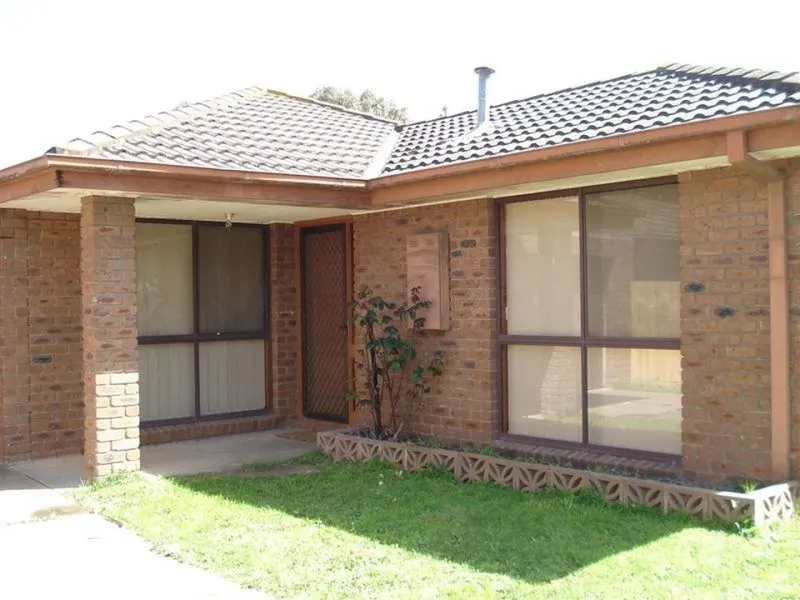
{"points": [[231, 279]]}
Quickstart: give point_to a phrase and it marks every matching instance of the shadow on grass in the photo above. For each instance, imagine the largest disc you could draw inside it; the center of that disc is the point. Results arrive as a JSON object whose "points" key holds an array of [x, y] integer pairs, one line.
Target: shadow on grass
{"points": [[531, 537]]}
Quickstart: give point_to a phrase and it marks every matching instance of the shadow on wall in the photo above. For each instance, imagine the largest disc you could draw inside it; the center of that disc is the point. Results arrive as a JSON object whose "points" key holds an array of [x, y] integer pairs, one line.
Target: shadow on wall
{"points": [[530, 537]]}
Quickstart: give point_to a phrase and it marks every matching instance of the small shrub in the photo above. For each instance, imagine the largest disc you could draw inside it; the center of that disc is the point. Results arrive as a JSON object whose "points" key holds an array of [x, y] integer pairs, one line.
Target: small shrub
{"points": [[397, 377], [747, 486], [745, 528], [479, 449], [429, 441]]}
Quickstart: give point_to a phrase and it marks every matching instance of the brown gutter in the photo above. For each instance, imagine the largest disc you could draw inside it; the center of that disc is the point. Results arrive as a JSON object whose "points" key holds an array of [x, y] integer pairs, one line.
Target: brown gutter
{"points": [[673, 132], [135, 178], [35, 182], [84, 163], [710, 127], [24, 169], [780, 368], [524, 175]]}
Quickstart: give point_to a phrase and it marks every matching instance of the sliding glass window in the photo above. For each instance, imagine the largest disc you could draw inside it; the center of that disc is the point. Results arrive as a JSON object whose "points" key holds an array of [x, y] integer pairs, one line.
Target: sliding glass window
{"points": [[202, 319], [592, 319]]}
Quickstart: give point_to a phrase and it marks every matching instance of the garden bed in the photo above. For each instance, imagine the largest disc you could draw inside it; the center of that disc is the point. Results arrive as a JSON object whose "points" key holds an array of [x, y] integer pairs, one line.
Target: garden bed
{"points": [[774, 502]]}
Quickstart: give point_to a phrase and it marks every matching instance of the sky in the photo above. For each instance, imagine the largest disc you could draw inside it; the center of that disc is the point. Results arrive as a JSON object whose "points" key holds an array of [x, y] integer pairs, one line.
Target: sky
{"points": [[70, 67]]}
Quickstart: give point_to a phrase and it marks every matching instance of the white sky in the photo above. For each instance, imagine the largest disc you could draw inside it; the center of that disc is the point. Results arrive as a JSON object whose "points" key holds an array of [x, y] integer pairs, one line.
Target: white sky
{"points": [[69, 67]]}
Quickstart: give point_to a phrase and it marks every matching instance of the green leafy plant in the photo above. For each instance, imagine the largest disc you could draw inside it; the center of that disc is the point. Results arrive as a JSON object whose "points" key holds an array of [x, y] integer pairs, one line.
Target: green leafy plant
{"points": [[397, 377], [747, 486], [429, 441], [746, 528]]}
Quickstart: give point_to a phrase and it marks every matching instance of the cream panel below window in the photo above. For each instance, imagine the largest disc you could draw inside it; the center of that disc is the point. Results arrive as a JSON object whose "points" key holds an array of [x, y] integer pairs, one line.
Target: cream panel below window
{"points": [[232, 377], [166, 381]]}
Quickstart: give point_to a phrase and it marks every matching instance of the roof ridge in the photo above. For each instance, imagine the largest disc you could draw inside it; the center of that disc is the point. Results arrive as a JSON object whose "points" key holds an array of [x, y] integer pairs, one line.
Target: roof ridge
{"points": [[153, 122], [331, 105], [539, 95], [770, 79]]}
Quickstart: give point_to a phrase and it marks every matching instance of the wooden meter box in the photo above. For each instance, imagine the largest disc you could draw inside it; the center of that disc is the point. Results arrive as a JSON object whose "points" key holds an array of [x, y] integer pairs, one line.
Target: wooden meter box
{"points": [[428, 267]]}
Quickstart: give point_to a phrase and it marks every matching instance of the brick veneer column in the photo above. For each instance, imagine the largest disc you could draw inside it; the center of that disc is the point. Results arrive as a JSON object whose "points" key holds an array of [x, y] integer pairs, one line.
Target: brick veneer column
{"points": [[283, 327], [110, 359], [14, 356], [725, 326]]}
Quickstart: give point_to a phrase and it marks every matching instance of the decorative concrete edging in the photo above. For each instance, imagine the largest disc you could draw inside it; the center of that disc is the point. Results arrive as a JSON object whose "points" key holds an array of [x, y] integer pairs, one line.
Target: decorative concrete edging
{"points": [[776, 502]]}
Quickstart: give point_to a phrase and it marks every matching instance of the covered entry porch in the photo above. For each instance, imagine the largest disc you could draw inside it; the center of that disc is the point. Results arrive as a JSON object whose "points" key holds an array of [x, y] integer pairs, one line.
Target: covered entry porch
{"points": [[183, 319]]}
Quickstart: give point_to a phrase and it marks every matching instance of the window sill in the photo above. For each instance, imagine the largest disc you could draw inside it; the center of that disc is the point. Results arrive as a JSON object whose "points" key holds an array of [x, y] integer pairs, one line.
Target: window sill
{"points": [[578, 457]]}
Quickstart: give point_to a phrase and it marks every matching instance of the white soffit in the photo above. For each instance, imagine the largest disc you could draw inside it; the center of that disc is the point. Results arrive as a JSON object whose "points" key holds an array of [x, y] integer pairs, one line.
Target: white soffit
{"points": [[553, 185], [211, 210], [69, 201]]}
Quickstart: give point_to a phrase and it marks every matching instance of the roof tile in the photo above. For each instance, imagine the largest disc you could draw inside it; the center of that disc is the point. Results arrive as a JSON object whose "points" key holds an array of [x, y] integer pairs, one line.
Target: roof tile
{"points": [[266, 131], [253, 130], [669, 95]]}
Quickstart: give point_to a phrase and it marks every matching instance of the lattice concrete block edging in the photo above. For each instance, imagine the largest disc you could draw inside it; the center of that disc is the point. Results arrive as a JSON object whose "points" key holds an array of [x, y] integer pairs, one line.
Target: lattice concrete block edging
{"points": [[775, 502]]}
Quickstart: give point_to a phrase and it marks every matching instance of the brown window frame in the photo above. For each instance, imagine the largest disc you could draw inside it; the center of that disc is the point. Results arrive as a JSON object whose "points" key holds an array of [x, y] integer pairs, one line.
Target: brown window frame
{"points": [[583, 341], [196, 337]]}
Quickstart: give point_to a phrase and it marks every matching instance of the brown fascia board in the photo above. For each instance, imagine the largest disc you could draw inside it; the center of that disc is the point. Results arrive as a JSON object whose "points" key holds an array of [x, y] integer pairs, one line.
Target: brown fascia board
{"points": [[78, 172], [201, 173], [769, 129], [709, 128], [38, 180]]}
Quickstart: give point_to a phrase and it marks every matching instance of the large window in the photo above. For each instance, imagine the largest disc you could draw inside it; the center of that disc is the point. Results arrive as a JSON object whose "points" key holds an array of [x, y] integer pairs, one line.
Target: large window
{"points": [[202, 319], [592, 319]]}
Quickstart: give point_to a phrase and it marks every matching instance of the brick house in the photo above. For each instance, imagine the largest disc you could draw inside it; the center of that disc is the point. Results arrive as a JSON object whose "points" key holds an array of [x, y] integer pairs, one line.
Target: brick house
{"points": [[615, 267]]}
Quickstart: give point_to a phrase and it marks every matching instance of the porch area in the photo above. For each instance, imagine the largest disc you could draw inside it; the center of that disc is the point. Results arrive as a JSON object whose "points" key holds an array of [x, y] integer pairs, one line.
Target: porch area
{"points": [[33, 489], [129, 328]]}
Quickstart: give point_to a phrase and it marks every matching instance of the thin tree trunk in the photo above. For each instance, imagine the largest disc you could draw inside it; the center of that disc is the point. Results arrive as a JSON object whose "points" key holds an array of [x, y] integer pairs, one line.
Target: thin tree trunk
{"points": [[376, 393]]}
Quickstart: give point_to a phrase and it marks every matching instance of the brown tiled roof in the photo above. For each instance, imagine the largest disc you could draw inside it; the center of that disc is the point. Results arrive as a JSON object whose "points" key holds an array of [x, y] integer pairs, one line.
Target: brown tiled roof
{"points": [[267, 131], [666, 96], [251, 130]]}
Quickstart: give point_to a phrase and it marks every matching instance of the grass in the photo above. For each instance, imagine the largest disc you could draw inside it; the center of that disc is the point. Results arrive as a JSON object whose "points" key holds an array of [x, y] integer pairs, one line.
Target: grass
{"points": [[370, 531]]}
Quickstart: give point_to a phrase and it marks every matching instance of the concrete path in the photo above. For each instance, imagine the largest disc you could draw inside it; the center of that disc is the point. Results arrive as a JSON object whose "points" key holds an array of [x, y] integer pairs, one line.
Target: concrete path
{"points": [[209, 455], [87, 557], [52, 548], [23, 499]]}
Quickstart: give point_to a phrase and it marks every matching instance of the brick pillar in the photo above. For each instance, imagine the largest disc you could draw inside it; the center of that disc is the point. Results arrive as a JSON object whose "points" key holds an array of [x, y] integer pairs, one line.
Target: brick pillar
{"points": [[725, 326], [283, 327], [15, 431], [110, 359]]}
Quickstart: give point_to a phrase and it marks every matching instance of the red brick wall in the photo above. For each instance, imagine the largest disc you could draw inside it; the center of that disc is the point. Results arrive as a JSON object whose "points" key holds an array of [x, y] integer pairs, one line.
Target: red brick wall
{"points": [[41, 413], [283, 321], [724, 267], [462, 405], [725, 317], [725, 325], [14, 357]]}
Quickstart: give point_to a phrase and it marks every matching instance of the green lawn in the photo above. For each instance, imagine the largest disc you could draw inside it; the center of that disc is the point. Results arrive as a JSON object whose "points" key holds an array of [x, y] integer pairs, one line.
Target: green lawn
{"points": [[370, 531]]}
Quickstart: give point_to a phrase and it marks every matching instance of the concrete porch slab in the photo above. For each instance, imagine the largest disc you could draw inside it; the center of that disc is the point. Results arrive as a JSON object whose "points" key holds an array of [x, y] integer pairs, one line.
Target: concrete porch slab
{"points": [[23, 499], [209, 455]]}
